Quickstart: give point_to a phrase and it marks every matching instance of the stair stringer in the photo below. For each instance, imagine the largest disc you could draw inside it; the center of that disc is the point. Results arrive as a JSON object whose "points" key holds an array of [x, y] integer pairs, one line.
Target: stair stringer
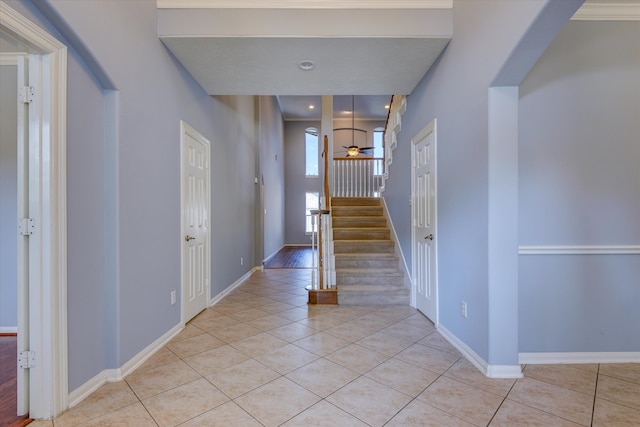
{"points": [[408, 282]]}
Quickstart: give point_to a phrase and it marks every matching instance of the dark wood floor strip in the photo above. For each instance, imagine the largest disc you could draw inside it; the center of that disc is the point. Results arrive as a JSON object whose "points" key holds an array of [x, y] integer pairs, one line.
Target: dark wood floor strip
{"points": [[291, 257], [8, 384]]}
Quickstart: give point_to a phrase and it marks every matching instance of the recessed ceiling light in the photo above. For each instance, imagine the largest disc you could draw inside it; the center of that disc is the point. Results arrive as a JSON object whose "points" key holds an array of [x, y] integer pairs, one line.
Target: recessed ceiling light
{"points": [[306, 65], [311, 107], [346, 112], [386, 107]]}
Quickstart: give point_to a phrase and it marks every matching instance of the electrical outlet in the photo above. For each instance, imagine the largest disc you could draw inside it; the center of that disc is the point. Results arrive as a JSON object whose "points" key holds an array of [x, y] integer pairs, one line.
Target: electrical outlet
{"points": [[173, 297], [463, 309], [241, 261]]}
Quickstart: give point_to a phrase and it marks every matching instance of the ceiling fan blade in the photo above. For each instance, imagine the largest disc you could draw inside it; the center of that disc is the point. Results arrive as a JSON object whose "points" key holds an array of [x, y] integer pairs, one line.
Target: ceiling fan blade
{"points": [[367, 148]]}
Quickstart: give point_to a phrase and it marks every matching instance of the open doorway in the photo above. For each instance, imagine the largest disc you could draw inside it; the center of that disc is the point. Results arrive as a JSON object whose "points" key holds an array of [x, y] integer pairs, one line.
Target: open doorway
{"points": [[40, 215]]}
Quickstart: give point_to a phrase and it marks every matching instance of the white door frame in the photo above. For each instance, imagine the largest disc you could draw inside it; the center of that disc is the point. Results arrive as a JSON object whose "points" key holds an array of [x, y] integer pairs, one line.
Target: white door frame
{"points": [[46, 319], [428, 129], [186, 129]]}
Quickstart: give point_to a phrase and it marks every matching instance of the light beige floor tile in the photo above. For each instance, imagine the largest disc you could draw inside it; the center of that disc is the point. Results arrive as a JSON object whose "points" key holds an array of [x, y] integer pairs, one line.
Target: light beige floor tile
{"points": [[324, 414], [292, 332], [184, 402], [515, 414], [248, 314], [163, 356], [295, 314], [154, 381], [209, 313], [108, 398], [276, 402], [236, 332], [437, 341], [565, 376], [269, 322], [41, 423], [419, 414], [369, 401], [286, 358], [212, 361], [403, 377], [384, 343], [226, 415], [609, 414], [243, 377], [408, 331], [194, 345], [322, 377], [258, 344], [211, 324], [462, 400], [321, 343], [619, 391], [276, 306], [130, 416], [622, 371], [559, 401], [321, 323], [465, 372], [351, 331], [420, 320], [357, 358], [593, 367], [189, 331], [428, 358]]}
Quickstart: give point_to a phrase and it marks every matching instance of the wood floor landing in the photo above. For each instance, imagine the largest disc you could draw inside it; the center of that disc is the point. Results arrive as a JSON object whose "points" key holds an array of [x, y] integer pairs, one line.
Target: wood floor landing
{"points": [[291, 257], [8, 392]]}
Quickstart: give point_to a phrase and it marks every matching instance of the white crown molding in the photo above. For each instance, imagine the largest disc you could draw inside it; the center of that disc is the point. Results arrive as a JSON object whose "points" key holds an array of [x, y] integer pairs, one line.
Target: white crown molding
{"points": [[579, 250], [10, 58], [304, 4], [608, 12]]}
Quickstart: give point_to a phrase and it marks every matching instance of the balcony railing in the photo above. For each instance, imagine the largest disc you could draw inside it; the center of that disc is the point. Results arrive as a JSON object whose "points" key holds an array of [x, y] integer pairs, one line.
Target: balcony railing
{"points": [[357, 176]]}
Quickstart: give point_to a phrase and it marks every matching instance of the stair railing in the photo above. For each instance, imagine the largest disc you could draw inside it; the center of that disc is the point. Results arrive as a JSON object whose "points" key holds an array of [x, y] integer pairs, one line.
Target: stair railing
{"points": [[357, 176]]}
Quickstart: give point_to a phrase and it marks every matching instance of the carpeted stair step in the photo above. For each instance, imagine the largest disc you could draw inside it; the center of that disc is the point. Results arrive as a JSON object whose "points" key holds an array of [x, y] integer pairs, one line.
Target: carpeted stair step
{"points": [[363, 246], [354, 201], [358, 221], [351, 260], [369, 277], [373, 295], [337, 211], [360, 233]]}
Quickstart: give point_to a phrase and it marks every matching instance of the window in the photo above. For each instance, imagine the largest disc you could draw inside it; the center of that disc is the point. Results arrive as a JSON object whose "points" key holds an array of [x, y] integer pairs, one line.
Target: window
{"points": [[311, 152], [378, 150], [312, 201]]}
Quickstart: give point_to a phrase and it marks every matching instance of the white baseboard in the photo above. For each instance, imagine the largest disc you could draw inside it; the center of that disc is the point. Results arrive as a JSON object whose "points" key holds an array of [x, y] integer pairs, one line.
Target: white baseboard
{"points": [[578, 358], [113, 375], [234, 285], [8, 329], [491, 371]]}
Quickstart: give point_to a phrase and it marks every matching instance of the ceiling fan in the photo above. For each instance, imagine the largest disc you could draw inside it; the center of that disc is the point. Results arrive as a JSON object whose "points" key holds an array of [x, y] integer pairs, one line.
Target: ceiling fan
{"points": [[353, 150]]}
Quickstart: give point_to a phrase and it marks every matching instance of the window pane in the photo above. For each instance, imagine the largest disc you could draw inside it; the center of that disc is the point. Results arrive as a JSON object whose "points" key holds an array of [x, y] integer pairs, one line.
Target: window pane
{"points": [[378, 150], [312, 202], [311, 152]]}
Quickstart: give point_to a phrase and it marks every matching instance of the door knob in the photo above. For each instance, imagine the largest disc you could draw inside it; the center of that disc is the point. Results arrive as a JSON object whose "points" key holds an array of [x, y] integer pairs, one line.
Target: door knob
{"points": [[187, 238], [429, 237]]}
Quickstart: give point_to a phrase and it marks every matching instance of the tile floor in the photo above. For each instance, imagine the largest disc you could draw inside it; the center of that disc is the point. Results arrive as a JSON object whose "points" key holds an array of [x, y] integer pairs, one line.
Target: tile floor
{"points": [[262, 357]]}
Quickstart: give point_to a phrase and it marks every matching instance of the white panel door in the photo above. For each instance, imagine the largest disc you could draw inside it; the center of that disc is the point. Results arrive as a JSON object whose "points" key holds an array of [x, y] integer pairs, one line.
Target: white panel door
{"points": [[424, 214], [195, 223]]}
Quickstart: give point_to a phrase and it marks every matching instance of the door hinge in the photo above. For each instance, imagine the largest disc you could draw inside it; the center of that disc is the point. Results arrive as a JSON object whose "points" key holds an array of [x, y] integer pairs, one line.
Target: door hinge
{"points": [[27, 359], [26, 226], [26, 94]]}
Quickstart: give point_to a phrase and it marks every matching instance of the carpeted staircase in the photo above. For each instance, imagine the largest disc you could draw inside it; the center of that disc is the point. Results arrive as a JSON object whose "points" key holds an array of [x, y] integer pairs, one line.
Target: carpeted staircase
{"points": [[367, 269]]}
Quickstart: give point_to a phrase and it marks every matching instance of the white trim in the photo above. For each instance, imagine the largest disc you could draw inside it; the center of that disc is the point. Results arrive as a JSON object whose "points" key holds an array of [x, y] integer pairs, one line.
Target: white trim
{"points": [[8, 329], [234, 285], [304, 4], [579, 357], [10, 58], [113, 375], [579, 250], [491, 371], [398, 249], [608, 12], [47, 327]]}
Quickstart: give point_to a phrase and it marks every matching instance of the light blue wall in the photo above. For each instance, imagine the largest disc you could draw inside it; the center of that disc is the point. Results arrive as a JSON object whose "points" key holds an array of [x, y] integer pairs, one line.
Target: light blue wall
{"points": [[8, 195], [272, 168], [455, 92], [126, 97], [579, 181]]}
